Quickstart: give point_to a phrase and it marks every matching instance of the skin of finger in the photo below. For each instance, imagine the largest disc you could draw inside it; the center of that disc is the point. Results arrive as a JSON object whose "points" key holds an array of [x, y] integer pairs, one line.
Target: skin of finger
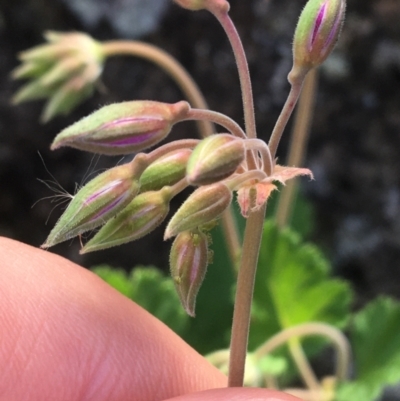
{"points": [[67, 335], [237, 394]]}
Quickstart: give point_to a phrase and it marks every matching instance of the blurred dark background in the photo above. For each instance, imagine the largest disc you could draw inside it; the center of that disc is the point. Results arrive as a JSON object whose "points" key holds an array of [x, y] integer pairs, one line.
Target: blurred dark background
{"points": [[354, 149]]}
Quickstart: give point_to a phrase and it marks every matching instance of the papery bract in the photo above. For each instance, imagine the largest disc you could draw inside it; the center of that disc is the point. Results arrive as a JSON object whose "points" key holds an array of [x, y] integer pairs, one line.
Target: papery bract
{"points": [[122, 128], [252, 197], [188, 264]]}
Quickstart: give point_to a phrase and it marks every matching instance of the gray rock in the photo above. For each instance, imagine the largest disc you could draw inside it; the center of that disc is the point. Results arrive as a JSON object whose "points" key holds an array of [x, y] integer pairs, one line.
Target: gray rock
{"points": [[129, 18]]}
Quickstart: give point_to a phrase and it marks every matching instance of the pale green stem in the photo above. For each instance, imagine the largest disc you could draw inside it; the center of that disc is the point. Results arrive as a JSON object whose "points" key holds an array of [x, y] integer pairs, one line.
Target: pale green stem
{"points": [[243, 69], [170, 65], [244, 296], [254, 224], [244, 76], [178, 187], [218, 118], [298, 145], [170, 147], [285, 115], [337, 338], [262, 147], [238, 180], [302, 364]]}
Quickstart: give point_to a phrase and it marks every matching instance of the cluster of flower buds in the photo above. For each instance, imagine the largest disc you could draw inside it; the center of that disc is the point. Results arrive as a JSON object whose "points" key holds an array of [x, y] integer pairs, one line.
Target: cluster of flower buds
{"points": [[64, 70], [131, 200]]}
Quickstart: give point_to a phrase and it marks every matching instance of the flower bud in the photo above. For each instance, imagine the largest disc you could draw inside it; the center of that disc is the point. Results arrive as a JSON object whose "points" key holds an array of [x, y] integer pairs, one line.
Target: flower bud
{"points": [[66, 98], [66, 68], [202, 206], [143, 214], [98, 201], [167, 170], [188, 264], [317, 32], [214, 159], [122, 128]]}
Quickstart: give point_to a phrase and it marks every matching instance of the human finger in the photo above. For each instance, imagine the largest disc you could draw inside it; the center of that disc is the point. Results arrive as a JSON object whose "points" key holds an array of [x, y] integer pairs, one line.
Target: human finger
{"points": [[67, 335]]}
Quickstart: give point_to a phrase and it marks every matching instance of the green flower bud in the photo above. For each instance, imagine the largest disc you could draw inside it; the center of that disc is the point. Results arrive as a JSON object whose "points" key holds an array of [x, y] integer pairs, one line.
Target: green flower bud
{"points": [[202, 206], [214, 159], [145, 213], [65, 69], [188, 264], [66, 98], [98, 201], [122, 128], [317, 32], [167, 170]]}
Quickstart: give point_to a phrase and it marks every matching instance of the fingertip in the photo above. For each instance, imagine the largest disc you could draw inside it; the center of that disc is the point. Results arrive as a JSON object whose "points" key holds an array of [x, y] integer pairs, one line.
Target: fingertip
{"points": [[237, 394], [67, 335]]}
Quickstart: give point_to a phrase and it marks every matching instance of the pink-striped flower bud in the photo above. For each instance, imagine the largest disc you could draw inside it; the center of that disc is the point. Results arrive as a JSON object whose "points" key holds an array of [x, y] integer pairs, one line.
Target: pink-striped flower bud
{"points": [[167, 170], [122, 128], [202, 206], [98, 201], [214, 159], [143, 214], [317, 32], [188, 264]]}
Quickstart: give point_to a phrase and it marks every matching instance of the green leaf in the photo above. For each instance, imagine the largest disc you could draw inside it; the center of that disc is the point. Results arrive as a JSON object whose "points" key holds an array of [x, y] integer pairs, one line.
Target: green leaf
{"points": [[293, 286], [152, 290], [117, 278], [375, 338], [302, 216]]}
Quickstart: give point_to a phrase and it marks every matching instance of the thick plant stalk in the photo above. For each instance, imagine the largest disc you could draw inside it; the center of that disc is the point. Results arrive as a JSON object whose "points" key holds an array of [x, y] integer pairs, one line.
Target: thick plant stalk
{"points": [[254, 224], [298, 145], [244, 297]]}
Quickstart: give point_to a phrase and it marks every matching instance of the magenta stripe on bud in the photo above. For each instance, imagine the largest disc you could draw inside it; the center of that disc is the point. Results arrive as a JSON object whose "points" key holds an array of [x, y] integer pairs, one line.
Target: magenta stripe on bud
{"points": [[317, 25], [98, 201], [107, 188], [122, 128], [316, 33]]}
